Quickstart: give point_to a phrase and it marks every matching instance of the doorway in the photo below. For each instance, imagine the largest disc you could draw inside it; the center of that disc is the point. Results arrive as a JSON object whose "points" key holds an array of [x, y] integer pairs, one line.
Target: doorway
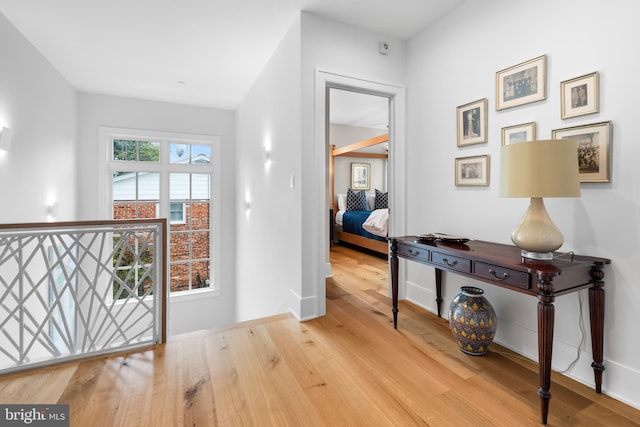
{"points": [[395, 95]]}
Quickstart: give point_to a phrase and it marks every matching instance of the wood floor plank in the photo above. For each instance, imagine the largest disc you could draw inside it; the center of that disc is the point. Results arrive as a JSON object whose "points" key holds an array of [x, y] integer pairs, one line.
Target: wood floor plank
{"points": [[231, 396], [37, 386], [166, 399], [197, 390], [286, 394], [82, 385]]}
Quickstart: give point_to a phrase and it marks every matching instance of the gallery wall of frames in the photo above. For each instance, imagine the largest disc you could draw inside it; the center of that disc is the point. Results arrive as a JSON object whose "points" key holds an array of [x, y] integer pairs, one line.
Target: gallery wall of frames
{"points": [[523, 84]]}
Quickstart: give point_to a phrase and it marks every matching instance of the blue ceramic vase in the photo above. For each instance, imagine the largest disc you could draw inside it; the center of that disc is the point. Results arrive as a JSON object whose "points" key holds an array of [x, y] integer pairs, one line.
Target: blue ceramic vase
{"points": [[472, 320]]}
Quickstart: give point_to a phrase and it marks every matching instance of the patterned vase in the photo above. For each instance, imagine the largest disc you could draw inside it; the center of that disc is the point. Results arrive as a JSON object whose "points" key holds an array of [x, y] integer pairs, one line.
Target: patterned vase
{"points": [[472, 320]]}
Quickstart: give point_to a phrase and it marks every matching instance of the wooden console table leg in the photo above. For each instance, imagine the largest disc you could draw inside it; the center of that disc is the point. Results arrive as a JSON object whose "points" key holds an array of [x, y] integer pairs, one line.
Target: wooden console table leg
{"points": [[393, 260], [546, 317], [439, 290], [596, 316]]}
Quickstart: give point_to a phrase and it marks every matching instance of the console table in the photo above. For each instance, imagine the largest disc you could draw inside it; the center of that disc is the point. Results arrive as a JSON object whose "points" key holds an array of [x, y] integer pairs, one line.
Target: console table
{"points": [[502, 265]]}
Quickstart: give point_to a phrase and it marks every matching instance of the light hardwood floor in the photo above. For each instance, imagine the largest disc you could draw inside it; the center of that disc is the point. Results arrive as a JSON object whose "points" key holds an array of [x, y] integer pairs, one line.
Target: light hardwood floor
{"points": [[349, 368]]}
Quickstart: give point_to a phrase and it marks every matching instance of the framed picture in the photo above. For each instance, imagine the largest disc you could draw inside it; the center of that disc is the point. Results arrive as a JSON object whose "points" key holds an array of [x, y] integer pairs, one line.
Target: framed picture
{"points": [[594, 149], [472, 122], [579, 96], [360, 176], [472, 170], [522, 83], [519, 133]]}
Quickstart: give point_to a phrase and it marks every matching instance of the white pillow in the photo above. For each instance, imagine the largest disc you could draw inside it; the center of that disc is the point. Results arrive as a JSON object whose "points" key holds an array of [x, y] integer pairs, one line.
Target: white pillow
{"points": [[342, 202], [371, 201]]}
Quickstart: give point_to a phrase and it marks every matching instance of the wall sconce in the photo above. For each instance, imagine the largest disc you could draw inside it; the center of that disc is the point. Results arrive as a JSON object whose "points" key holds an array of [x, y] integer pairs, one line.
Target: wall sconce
{"points": [[51, 211], [538, 169], [5, 138], [247, 203], [267, 156]]}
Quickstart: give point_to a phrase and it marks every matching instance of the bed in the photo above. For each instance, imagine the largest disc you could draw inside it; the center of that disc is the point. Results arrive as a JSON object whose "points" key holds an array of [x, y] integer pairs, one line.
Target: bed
{"points": [[362, 223], [366, 228]]}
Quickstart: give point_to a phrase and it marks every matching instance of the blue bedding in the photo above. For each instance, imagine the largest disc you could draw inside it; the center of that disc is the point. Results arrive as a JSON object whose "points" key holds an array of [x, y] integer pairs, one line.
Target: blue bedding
{"points": [[352, 223]]}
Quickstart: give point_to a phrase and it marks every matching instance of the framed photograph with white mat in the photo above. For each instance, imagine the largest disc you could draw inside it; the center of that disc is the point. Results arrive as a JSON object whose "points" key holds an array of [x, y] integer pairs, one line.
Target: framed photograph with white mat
{"points": [[519, 133], [522, 83], [471, 120], [580, 96], [473, 170], [594, 149]]}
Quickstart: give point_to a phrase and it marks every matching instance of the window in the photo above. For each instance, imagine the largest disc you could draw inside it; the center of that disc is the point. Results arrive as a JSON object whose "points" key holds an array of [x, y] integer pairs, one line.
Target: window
{"points": [[176, 213], [156, 176]]}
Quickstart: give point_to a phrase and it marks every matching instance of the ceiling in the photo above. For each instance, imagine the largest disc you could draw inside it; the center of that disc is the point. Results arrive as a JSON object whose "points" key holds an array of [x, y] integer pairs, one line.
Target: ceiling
{"points": [[194, 52]]}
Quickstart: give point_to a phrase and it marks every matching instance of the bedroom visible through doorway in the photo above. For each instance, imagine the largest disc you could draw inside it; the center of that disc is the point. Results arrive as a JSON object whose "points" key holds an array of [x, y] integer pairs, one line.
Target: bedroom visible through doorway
{"points": [[358, 147]]}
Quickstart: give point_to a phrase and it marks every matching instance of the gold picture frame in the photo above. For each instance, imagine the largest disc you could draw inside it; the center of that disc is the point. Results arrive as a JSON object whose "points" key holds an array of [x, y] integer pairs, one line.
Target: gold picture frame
{"points": [[522, 83], [594, 149], [472, 170], [519, 133], [471, 122], [580, 96], [360, 176]]}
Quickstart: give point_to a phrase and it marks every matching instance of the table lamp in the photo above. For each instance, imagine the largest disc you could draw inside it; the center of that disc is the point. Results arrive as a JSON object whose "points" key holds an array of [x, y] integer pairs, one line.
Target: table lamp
{"points": [[538, 169]]}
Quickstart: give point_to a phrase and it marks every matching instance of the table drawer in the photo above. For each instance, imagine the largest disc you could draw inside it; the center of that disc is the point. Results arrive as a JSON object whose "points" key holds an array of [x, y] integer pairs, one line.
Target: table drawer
{"points": [[518, 279], [412, 252], [451, 262]]}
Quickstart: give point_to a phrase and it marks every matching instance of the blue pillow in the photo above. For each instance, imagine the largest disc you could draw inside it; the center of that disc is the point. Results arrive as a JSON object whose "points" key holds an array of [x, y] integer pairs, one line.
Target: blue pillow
{"points": [[382, 200], [356, 200]]}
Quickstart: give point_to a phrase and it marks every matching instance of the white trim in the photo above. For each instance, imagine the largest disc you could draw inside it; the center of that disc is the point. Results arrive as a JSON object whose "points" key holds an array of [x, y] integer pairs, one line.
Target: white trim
{"points": [[194, 295], [396, 184]]}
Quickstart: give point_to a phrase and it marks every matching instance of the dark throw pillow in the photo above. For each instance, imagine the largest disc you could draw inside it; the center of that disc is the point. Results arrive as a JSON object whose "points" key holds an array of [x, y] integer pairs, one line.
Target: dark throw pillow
{"points": [[356, 200], [382, 200]]}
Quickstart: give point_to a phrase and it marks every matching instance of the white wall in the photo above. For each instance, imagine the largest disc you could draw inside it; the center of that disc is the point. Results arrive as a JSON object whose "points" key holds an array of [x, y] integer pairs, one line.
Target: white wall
{"points": [[331, 47], [281, 251], [268, 257], [40, 107], [186, 312], [454, 62]]}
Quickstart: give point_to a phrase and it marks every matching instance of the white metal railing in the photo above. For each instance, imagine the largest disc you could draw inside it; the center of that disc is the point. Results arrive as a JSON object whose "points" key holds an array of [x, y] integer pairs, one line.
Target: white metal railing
{"points": [[77, 289]]}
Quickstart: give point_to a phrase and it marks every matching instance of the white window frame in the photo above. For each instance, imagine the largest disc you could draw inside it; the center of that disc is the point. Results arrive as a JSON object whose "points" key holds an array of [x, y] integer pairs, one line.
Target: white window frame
{"points": [[105, 202]]}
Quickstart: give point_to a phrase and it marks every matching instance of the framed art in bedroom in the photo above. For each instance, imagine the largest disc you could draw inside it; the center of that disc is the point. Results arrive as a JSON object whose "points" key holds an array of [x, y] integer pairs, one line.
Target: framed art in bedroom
{"points": [[522, 83], [360, 176], [471, 120], [519, 133], [594, 149], [579, 96], [472, 170]]}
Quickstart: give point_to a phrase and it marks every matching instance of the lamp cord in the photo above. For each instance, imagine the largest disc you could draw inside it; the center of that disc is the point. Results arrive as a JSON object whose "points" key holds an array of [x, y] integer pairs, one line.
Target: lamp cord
{"points": [[582, 338]]}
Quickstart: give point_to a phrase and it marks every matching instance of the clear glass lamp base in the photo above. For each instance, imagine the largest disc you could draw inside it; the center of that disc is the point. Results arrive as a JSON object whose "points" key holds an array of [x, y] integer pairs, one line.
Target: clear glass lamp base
{"points": [[543, 256]]}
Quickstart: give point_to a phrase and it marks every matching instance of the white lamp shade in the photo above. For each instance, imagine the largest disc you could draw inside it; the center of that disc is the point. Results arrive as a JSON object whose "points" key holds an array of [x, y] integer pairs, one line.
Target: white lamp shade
{"points": [[547, 168]]}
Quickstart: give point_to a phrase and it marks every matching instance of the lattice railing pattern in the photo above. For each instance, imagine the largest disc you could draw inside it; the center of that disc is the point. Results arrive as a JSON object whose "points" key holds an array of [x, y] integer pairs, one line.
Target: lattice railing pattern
{"points": [[71, 290]]}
